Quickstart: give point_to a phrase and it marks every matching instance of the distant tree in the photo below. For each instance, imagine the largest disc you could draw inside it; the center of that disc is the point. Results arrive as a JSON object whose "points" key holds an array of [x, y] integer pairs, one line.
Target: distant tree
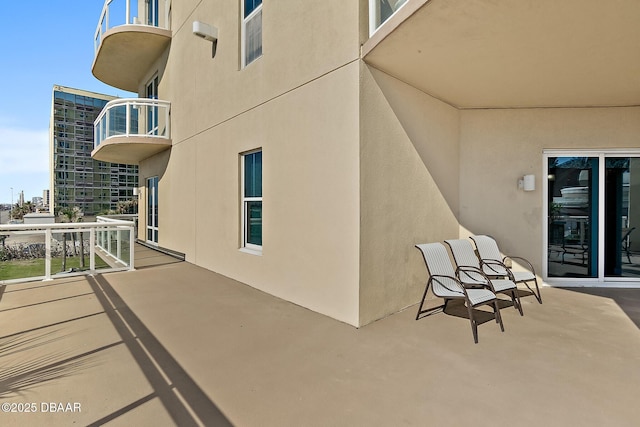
{"points": [[68, 214], [122, 208], [128, 207], [19, 211]]}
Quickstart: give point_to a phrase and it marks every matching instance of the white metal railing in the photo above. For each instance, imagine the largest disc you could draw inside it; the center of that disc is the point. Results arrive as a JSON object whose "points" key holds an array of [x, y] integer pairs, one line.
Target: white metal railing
{"points": [[152, 13], [111, 240], [381, 10], [128, 117]]}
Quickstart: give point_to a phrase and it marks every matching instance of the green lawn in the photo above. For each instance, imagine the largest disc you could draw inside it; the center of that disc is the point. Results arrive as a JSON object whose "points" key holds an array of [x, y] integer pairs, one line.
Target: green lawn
{"points": [[35, 267]]}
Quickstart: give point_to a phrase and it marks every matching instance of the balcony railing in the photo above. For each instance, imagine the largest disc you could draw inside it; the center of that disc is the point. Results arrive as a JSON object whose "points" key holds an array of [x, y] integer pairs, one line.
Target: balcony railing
{"points": [[381, 10], [129, 12], [31, 252], [133, 117]]}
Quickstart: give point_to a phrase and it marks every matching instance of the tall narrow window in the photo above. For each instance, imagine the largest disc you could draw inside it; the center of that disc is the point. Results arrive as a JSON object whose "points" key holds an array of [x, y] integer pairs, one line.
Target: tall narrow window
{"points": [[252, 200], [152, 110], [251, 31], [152, 210]]}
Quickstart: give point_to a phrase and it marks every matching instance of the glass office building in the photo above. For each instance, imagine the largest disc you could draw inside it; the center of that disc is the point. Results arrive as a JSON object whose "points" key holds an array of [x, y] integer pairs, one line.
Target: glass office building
{"points": [[76, 178]]}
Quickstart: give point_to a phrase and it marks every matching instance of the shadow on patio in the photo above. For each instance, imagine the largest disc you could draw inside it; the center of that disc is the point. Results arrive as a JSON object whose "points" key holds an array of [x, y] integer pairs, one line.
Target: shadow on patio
{"points": [[174, 344], [627, 299]]}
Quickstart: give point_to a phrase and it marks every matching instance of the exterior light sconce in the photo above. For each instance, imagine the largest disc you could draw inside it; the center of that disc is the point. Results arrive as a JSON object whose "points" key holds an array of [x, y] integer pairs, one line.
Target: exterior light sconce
{"points": [[207, 32], [527, 183]]}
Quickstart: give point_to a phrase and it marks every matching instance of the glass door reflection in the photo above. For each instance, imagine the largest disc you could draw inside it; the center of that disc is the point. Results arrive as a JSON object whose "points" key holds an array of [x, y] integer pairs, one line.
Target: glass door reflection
{"points": [[572, 217], [622, 216]]}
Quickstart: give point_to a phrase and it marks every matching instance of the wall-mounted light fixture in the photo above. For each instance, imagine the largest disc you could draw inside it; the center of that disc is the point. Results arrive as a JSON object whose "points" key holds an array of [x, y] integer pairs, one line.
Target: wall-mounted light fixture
{"points": [[527, 183], [207, 32]]}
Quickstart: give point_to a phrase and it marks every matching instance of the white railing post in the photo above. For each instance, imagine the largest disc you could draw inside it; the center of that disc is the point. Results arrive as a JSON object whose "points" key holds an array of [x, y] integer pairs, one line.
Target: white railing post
{"points": [[106, 18], [92, 250], [128, 7], [106, 124], [131, 247], [127, 116], [118, 243], [47, 256]]}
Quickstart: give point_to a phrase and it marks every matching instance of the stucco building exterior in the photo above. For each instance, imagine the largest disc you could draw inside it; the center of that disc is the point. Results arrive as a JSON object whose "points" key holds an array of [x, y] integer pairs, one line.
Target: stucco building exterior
{"points": [[304, 148]]}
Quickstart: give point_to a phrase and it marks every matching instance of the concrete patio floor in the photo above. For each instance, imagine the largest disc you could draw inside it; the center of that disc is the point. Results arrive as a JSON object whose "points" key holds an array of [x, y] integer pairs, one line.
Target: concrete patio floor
{"points": [[174, 344]]}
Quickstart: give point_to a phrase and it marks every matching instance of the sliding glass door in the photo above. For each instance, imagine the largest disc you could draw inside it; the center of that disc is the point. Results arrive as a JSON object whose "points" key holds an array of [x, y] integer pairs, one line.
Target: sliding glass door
{"points": [[592, 210]]}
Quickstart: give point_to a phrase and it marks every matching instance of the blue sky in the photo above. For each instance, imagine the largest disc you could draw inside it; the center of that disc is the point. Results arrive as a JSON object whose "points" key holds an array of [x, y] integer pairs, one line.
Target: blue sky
{"points": [[41, 44]]}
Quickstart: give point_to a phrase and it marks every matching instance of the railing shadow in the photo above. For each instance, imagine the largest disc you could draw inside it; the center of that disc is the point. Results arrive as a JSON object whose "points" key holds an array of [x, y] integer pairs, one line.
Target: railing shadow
{"points": [[155, 363]]}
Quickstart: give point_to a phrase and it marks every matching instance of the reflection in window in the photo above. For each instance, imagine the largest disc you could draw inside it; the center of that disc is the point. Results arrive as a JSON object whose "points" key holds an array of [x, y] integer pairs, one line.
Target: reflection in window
{"points": [[572, 215], [381, 10]]}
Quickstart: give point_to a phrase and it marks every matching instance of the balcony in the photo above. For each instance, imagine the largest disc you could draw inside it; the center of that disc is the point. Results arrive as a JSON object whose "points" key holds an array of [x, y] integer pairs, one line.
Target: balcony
{"points": [[130, 130], [131, 35], [574, 53]]}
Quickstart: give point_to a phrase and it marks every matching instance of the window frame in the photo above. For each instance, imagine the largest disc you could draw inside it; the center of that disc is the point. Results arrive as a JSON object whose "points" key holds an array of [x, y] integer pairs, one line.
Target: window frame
{"points": [[244, 203], [243, 33]]}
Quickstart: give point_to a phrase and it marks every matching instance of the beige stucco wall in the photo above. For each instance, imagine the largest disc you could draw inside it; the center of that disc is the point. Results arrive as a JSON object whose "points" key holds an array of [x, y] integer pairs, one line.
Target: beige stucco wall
{"points": [[497, 147], [310, 196], [299, 105], [409, 189], [206, 91]]}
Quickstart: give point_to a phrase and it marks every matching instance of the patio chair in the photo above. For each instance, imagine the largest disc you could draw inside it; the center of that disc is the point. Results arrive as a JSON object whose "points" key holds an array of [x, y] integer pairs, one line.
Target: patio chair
{"points": [[494, 265], [626, 241], [470, 273], [445, 285]]}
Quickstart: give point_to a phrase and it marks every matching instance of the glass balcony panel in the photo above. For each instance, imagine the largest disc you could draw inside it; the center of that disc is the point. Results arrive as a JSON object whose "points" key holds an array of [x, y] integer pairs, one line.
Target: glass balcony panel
{"points": [[117, 120], [22, 255]]}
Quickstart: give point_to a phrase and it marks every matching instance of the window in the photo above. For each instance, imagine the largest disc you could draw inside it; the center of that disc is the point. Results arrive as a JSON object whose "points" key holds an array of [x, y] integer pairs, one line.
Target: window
{"points": [[152, 210], [381, 10], [251, 31], [152, 111], [152, 12], [252, 200]]}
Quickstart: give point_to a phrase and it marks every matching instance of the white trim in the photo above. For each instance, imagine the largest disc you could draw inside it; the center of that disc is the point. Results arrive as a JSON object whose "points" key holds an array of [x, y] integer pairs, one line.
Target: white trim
{"points": [[251, 250]]}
